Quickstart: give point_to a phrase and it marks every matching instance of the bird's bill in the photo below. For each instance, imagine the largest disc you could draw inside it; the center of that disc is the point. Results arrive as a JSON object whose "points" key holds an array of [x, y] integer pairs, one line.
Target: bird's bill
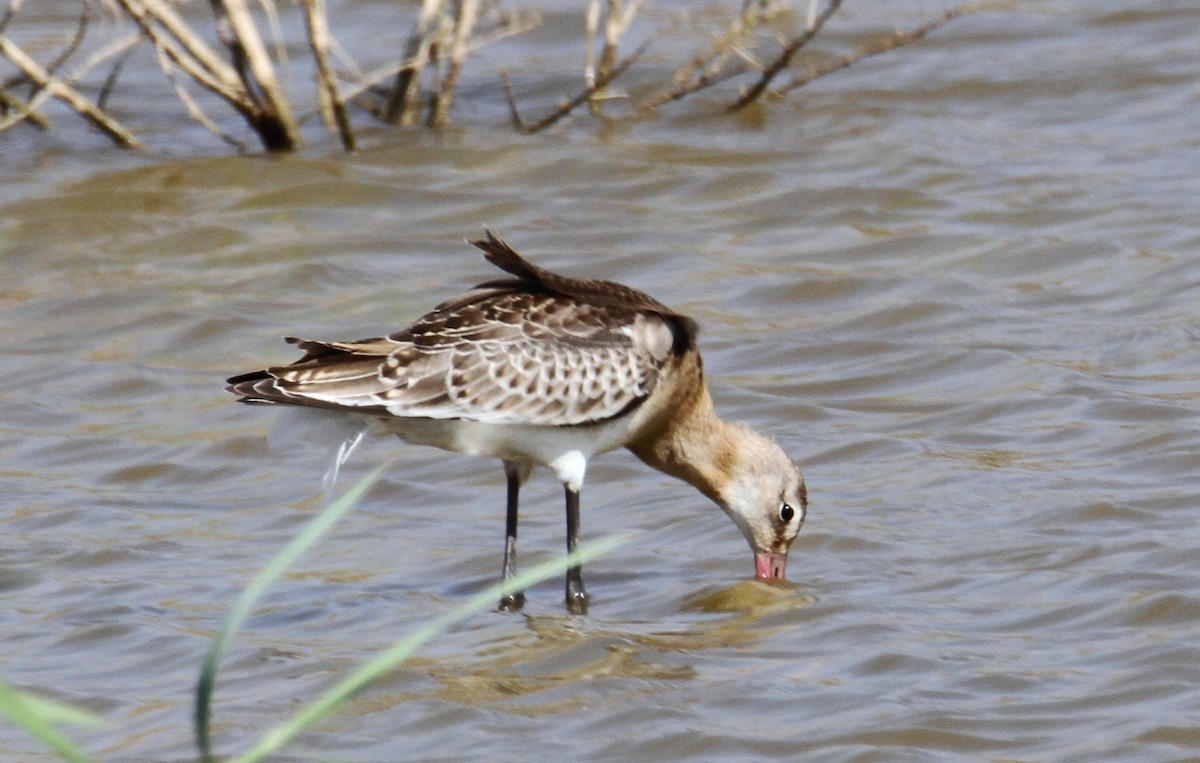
{"points": [[769, 566]]}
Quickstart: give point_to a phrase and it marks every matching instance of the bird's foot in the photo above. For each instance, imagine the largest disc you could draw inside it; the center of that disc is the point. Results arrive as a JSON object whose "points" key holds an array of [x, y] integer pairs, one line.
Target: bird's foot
{"points": [[577, 600], [512, 602]]}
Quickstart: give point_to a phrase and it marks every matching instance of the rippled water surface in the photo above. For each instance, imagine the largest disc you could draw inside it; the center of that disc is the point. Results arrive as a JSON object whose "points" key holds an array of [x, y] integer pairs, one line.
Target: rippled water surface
{"points": [[958, 283]]}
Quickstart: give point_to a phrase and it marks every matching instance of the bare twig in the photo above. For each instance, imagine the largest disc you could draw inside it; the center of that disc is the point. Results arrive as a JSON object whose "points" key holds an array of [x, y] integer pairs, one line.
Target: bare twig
{"points": [[896, 40], [272, 118], [189, 103], [64, 92], [406, 88], [713, 67], [111, 80], [784, 58], [24, 111], [117, 48], [706, 79], [467, 12], [11, 103], [249, 73], [9, 13], [72, 45], [518, 24], [276, 28], [171, 35], [333, 109], [28, 108], [591, 24], [249, 86], [616, 24], [513, 112], [617, 20], [568, 106]]}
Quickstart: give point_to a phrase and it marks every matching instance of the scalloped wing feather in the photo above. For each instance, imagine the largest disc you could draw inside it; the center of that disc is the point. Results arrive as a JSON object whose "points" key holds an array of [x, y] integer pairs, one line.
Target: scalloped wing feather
{"points": [[536, 349], [511, 357]]}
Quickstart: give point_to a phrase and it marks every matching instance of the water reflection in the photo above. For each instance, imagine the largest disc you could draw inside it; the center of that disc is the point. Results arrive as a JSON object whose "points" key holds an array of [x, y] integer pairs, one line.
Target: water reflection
{"points": [[750, 597], [553, 651]]}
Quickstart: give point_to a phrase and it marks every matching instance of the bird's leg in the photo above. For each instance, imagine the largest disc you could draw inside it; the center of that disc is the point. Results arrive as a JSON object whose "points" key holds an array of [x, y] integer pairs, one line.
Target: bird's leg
{"points": [[577, 598], [512, 601]]}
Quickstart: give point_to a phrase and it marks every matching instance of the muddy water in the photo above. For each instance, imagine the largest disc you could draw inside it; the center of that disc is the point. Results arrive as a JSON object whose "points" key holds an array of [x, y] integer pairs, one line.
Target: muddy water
{"points": [[959, 284]]}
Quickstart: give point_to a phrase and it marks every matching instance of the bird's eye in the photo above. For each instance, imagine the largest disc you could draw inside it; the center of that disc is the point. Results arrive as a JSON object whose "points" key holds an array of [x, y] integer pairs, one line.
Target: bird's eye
{"points": [[786, 512]]}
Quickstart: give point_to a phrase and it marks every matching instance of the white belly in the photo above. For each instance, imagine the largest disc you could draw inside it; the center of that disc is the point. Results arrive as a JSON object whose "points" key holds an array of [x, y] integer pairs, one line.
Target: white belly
{"points": [[544, 445]]}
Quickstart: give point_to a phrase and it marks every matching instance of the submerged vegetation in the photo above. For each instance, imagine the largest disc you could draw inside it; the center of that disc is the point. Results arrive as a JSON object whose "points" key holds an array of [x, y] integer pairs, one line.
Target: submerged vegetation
{"points": [[233, 55], [41, 717]]}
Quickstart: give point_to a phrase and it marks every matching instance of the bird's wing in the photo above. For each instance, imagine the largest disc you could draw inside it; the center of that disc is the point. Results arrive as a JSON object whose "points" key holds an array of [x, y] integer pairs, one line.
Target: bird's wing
{"points": [[508, 356], [539, 348]]}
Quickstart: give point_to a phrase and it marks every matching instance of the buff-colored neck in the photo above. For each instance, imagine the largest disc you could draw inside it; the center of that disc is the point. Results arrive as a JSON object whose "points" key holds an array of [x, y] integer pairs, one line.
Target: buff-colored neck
{"points": [[691, 442]]}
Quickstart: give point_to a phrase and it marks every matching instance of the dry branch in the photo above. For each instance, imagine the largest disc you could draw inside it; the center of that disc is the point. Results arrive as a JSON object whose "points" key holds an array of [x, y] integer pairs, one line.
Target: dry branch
{"points": [[597, 76], [68, 95], [23, 111], [617, 21], [184, 50], [333, 109], [76, 40], [713, 67], [896, 40], [591, 24], [567, 106], [467, 13], [514, 24], [110, 82], [272, 116], [118, 49], [249, 85], [784, 58], [190, 104], [9, 13], [403, 97], [246, 74]]}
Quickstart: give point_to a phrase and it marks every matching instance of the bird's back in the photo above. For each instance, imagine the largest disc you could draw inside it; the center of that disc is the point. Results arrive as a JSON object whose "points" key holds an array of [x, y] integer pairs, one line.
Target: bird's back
{"points": [[537, 348]]}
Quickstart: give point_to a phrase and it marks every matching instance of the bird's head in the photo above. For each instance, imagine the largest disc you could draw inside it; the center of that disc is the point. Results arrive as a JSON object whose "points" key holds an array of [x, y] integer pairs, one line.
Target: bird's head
{"points": [[766, 498]]}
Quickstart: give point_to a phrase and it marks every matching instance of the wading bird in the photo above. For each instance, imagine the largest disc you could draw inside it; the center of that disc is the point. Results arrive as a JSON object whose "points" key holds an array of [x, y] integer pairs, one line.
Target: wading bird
{"points": [[544, 369]]}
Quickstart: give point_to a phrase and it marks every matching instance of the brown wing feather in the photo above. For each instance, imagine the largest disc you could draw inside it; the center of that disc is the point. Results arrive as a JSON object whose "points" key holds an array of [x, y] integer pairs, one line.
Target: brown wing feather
{"points": [[596, 292], [517, 356], [538, 349]]}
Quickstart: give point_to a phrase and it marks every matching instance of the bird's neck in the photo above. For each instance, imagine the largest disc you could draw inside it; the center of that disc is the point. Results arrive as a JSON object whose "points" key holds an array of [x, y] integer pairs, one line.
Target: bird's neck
{"points": [[691, 441]]}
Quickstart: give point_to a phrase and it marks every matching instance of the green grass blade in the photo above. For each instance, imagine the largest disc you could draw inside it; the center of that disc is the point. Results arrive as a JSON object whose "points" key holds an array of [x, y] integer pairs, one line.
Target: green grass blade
{"points": [[37, 716], [246, 601], [393, 656]]}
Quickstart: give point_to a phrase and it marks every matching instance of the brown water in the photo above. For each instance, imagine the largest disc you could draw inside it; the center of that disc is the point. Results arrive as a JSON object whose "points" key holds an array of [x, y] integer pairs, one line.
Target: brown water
{"points": [[958, 283]]}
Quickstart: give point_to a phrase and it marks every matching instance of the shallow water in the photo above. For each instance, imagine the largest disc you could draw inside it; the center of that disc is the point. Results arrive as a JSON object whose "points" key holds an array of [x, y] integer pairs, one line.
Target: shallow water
{"points": [[957, 283]]}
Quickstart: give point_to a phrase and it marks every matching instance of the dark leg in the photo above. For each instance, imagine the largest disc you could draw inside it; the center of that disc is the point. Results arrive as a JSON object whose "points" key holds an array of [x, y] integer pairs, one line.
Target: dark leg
{"points": [[577, 598], [511, 602]]}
